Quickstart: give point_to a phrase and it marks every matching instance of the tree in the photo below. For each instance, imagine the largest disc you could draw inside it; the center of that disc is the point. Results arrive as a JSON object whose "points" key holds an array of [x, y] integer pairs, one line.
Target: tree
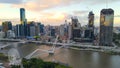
{"points": [[39, 63]]}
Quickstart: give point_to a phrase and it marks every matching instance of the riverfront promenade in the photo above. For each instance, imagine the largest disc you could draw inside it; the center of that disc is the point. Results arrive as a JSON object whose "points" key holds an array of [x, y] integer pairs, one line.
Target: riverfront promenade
{"points": [[83, 46]]}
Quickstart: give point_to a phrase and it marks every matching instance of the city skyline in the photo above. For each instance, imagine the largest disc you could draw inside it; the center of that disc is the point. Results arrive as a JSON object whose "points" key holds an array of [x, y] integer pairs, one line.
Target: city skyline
{"points": [[56, 12]]}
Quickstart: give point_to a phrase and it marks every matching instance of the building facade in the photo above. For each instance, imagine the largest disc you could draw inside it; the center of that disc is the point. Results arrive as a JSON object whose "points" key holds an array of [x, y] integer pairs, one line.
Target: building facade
{"points": [[7, 25], [106, 27], [22, 16], [91, 25], [76, 29], [23, 21], [91, 19], [10, 34], [19, 30]]}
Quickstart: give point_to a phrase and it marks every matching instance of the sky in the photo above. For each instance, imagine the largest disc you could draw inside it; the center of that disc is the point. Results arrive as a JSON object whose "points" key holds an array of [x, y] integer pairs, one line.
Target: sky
{"points": [[55, 12]]}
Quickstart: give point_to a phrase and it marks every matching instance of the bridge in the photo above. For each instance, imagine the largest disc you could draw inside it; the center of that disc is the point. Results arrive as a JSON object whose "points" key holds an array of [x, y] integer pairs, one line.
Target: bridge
{"points": [[14, 51], [50, 51], [15, 57], [14, 43], [1, 47]]}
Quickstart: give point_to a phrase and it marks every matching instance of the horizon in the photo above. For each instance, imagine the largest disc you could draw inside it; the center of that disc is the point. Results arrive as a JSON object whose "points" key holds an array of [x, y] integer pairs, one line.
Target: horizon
{"points": [[55, 13]]}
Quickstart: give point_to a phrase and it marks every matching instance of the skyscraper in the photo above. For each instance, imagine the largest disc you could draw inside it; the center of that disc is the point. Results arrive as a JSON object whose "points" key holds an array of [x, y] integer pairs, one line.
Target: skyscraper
{"points": [[22, 16], [41, 28], [31, 29], [89, 33], [76, 29], [106, 27], [19, 30], [91, 19], [23, 21]]}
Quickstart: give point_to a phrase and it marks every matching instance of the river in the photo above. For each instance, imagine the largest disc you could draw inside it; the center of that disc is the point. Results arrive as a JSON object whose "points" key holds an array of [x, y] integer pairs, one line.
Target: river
{"points": [[75, 58]]}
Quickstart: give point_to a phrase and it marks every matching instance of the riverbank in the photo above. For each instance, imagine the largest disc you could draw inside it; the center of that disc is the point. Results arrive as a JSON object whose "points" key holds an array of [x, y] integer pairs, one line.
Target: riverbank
{"points": [[108, 50], [75, 58], [114, 50]]}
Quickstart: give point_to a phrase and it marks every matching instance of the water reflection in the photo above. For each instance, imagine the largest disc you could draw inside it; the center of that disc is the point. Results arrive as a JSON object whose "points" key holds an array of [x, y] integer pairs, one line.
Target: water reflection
{"points": [[75, 58], [83, 59]]}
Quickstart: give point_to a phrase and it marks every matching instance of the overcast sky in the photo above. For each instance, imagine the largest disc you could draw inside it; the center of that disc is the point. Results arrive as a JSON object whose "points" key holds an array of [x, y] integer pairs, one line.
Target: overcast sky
{"points": [[55, 12]]}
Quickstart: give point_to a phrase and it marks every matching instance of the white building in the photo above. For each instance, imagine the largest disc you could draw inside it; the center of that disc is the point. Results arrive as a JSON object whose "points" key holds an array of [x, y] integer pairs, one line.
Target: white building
{"points": [[10, 34], [61, 28]]}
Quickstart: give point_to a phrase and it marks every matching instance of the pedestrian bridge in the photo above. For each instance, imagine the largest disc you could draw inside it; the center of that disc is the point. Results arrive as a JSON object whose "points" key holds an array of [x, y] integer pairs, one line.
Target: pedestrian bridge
{"points": [[22, 51]]}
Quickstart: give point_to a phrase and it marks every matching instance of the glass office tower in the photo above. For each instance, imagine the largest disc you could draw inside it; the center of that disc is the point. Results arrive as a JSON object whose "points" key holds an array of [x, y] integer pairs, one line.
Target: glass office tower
{"points": [[106, 27]]}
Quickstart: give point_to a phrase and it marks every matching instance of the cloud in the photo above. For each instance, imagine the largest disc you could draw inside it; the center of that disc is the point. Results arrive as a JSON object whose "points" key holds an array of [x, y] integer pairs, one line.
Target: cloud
{"points": [[95, 2], [1, 5], [11, 1], [58, 2], [117, 20], [117, 16], [54, 18], [39, 5], [80, 13]]}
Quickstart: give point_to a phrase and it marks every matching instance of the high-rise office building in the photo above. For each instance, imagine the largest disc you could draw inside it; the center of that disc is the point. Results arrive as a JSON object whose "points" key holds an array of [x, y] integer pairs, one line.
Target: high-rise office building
{"points": [[37, 29], [41, 28], [61, 30], [31, 31], [22, 16], [23, 21], [53, 32], [89, 32], [19, 30], [106, 27], [91, 19], [76, 29]]}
